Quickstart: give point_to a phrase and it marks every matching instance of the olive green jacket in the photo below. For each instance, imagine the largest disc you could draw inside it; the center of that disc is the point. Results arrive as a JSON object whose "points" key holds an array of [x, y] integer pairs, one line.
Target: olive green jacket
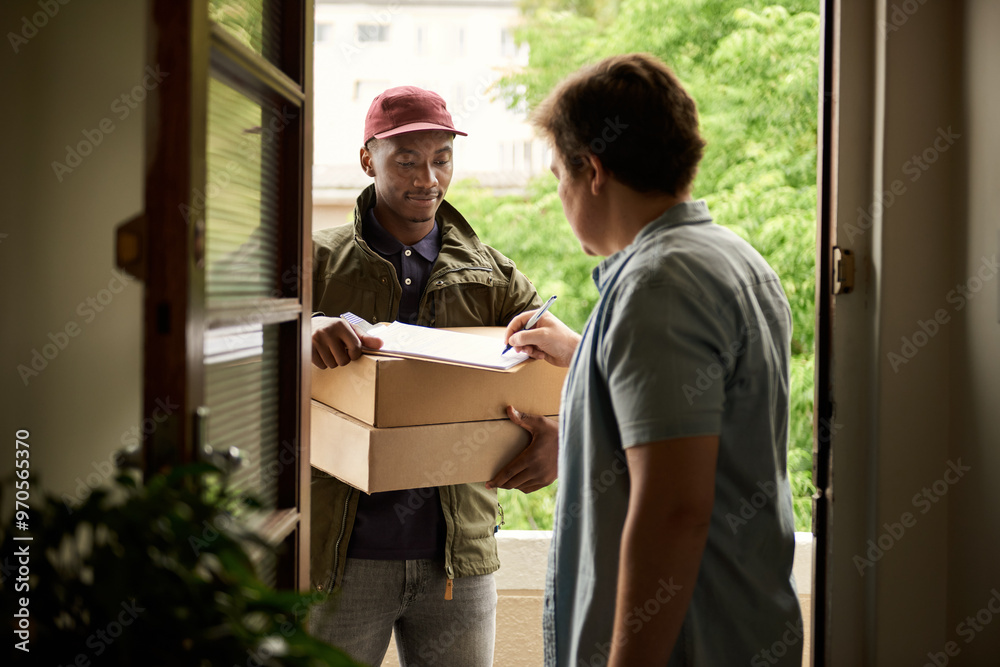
{"points": [[471, 284]]}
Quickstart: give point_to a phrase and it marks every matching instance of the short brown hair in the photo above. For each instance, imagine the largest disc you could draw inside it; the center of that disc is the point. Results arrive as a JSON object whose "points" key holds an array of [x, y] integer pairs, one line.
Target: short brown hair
{"points": [[633, 114]]}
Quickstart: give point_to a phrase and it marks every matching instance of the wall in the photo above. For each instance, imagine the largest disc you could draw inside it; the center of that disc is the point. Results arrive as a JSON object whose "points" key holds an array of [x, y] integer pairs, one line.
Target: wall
{"points": [[422, 49], [58, 252], [915, 360], [920, 170], [973, 510]]}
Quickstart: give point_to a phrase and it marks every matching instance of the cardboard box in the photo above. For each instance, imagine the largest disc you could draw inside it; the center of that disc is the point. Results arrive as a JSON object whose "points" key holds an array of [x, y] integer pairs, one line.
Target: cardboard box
{"points": [[387, 459], [389, 392]]}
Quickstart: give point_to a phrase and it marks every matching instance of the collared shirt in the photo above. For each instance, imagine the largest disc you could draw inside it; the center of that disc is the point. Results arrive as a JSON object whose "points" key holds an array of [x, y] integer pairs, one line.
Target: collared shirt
{"points": [[690, 336], [407, 524], [413, 263]]}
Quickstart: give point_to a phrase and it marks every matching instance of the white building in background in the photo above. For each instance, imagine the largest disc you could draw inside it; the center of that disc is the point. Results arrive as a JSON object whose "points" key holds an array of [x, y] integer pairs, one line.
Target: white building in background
{"points": [[457, 48]]}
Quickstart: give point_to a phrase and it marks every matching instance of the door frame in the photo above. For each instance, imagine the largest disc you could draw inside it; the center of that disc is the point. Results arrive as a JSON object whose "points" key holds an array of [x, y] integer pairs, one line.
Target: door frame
{"points": [[188, 49]]}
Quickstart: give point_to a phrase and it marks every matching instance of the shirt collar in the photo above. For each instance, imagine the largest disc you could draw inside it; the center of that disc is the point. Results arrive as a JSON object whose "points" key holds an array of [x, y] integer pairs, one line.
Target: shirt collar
{"points": [[386, 244], [683, 213]]}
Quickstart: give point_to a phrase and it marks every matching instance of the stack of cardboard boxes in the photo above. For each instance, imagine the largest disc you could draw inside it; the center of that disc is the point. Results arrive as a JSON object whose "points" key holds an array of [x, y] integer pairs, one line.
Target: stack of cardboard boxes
{"points": [[383, 423]]}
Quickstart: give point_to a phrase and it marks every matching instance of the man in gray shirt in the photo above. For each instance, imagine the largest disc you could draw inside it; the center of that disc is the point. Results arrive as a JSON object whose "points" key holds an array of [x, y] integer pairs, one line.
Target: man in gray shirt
{"points": [[675, 409]]}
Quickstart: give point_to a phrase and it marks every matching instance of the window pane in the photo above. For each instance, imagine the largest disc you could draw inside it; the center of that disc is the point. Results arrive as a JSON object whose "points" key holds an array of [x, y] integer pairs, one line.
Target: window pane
{"points": [[255, 23], [324, 32], [372, 32], [241, 392], [241, 192]]}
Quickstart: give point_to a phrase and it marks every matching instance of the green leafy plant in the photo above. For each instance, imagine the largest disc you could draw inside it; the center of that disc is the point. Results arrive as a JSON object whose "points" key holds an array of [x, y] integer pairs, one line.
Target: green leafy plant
{"points": [[158, 574]]}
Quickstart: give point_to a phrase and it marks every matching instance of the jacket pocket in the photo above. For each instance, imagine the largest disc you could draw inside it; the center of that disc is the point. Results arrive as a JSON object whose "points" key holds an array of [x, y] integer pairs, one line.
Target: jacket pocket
{"points": [[334, 297], [464, 306]]}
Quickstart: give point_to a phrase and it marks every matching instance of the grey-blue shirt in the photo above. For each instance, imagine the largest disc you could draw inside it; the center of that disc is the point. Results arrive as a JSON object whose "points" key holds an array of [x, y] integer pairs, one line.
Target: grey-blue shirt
{"points": [[690, 336]]}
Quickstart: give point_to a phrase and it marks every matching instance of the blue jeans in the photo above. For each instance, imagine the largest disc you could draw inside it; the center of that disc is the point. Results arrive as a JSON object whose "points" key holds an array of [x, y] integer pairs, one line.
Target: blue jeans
{"points": [[378, 596]]}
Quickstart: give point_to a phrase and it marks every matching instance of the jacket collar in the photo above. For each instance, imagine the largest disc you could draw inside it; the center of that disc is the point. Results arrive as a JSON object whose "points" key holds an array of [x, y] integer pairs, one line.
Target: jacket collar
{"points": [[460, 246]]}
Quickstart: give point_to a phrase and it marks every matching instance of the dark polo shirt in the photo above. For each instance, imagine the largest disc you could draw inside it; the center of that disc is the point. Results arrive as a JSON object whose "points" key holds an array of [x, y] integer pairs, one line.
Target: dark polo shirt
{"points": [[409, 524]]}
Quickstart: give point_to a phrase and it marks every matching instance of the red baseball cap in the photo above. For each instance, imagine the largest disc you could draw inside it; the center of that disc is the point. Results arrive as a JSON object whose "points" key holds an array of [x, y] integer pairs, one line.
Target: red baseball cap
{"points": [[407, 109]]}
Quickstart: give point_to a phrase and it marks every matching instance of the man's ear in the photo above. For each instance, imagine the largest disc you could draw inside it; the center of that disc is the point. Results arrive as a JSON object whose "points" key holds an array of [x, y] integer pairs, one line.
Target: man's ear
{"points": [[367, 164], [597, 175]]}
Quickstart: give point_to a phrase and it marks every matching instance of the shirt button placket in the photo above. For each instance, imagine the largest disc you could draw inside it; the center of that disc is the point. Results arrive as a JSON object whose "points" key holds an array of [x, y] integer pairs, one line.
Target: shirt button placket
{"points": [[407, 267]]}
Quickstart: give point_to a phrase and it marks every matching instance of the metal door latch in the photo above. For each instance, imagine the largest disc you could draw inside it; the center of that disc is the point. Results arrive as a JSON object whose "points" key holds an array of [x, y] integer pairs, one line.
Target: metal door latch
{"points": [[843, 270]]}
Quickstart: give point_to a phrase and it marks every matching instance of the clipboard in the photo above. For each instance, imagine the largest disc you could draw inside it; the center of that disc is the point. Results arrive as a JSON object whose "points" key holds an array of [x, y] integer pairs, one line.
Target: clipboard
{"points": [[409, 341]]}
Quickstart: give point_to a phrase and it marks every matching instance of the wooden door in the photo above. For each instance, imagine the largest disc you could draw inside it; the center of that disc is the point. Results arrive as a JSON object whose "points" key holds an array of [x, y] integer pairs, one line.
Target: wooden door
{"points": [[223, 248]]}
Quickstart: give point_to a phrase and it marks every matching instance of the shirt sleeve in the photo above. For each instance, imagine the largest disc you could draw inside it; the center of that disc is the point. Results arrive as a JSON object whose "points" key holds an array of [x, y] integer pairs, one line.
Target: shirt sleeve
{"points": [[663, 354]]}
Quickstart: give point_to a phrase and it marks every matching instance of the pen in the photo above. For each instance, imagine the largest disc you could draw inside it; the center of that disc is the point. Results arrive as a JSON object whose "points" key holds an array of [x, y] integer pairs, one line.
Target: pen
{"points": [[534, 320]]}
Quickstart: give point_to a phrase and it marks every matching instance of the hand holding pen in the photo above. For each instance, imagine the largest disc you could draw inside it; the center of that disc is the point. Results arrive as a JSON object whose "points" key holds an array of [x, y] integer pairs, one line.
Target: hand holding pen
{"points": [[547, 339], [533, 321]]}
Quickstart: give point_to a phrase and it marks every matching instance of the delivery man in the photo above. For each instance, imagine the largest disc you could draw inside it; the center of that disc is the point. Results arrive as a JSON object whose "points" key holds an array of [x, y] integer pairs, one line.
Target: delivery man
{"points": [[417, 561]]}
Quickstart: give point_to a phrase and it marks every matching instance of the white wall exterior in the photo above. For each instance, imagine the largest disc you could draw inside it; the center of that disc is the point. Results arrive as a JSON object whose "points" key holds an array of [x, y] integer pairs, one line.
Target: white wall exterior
{"points": [[453, 48]]}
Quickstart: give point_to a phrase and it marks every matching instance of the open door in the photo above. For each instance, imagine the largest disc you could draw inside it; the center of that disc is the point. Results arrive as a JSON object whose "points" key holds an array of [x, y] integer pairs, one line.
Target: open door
{"points": [[827, 285], [223, 248]]}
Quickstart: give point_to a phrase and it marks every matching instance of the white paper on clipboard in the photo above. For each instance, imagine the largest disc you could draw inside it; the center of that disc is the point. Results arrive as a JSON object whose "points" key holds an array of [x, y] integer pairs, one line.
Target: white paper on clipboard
{"points": [[413, 342]]}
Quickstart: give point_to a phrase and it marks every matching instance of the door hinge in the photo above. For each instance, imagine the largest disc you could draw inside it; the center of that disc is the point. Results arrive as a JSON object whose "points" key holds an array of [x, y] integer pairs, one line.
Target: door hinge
{"points": [[843, 270]]}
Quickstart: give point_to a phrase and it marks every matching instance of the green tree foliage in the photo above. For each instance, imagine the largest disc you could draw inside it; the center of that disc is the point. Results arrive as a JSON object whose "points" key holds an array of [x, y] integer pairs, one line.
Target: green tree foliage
{"points": [[533, 232], [752, 68]]}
